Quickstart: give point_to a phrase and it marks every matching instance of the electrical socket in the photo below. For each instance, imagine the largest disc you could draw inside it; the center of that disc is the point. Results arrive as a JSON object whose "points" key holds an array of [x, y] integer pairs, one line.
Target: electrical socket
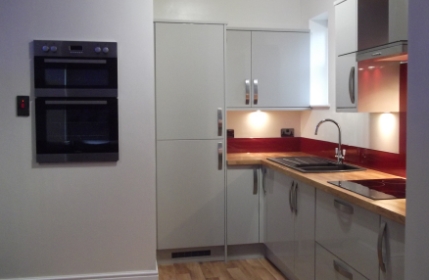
{"points": [[287, 132]]}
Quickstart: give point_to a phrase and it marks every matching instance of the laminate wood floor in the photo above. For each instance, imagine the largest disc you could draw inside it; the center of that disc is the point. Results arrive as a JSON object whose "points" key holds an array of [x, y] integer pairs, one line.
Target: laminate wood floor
{"points": [[251, 269]]}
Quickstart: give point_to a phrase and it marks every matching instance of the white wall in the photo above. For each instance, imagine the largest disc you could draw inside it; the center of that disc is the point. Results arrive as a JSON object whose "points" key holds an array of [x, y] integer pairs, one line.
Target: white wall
{"points": [[417, 227], [67, 219], [236, 13]]}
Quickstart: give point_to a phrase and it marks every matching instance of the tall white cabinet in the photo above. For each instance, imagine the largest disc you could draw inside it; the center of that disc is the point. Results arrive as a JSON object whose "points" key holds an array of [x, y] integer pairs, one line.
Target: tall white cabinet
{"points": [[190, 94], [268, 69]]}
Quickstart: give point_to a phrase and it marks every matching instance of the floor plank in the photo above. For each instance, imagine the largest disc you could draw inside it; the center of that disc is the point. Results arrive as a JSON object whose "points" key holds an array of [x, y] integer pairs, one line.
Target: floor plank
{"points": [[251, 269]]}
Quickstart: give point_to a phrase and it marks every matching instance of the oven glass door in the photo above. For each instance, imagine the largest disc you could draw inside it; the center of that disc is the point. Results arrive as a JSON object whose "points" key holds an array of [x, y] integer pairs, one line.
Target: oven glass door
{"points": [[76, 129], [54, 75]]}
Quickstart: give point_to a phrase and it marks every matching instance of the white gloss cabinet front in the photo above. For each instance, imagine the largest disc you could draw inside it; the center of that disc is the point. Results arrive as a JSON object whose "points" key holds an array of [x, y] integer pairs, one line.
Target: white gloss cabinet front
{"points": [[243, 192], [349, 232], [289, 224], [190, 194], [268, 69]]}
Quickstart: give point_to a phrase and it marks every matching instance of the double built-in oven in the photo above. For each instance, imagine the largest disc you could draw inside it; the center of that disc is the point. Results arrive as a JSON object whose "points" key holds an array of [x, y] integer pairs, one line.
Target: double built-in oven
{"points": [[76, 101]]}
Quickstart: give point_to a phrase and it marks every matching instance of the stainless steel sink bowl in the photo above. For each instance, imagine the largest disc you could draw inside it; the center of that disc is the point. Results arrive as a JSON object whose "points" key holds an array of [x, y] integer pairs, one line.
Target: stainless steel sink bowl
{"points": [[314, 164]]}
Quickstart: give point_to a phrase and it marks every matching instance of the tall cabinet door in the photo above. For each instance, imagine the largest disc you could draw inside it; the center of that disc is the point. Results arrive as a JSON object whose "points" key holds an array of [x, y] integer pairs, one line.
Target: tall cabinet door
{"points": [[189, 80], [238, 66], [190, 194], [280, 69]]}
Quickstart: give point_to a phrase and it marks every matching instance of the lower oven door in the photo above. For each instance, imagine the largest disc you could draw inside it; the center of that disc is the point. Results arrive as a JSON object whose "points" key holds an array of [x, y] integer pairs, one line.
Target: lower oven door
{"points": [[76, 129]]}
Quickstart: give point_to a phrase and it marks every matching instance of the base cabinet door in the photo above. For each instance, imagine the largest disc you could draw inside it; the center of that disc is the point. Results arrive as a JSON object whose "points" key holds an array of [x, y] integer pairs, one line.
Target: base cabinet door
{"points": [[243, 190], [289, 225], [279, 229], [329, 267], [305, 197], [190, 194], [393, 248]]}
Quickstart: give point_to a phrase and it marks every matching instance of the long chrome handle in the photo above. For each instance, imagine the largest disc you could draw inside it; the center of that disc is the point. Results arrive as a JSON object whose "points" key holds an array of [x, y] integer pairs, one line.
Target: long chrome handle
{"points": [[295, 198], [75, 102], [290, 196], [247, 85], [352, 85], [344, 207], [380, 251], [255, 181], [264, 171], [220, 155], [255, 92], [75, 61], [219, 121], [342, 270]]}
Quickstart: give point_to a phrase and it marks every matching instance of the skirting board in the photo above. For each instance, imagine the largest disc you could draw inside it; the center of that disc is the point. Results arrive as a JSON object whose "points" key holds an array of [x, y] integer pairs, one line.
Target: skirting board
{"points": [[131, 275]]}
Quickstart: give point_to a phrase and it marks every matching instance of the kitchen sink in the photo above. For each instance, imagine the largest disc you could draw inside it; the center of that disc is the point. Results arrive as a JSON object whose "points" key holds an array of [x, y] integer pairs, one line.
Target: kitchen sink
{"points": [[314, 164]]}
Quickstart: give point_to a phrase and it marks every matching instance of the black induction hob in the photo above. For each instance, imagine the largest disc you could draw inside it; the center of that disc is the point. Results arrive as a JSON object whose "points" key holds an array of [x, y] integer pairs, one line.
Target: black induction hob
{"points": [[377, 189]]}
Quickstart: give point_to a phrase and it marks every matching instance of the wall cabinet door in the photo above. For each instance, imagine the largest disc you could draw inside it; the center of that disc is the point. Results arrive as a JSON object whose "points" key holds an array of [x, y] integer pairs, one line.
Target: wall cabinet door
{"points": [[267, 69], [190, 194], [243, 191], [393, 246], [346, 27], [189, 80], [346, 83], [349, 232]]}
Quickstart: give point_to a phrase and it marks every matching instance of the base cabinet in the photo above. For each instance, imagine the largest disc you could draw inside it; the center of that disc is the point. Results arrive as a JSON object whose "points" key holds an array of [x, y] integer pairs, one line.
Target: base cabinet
{"points": [[393, 250], [243, 207], [289, 227]]}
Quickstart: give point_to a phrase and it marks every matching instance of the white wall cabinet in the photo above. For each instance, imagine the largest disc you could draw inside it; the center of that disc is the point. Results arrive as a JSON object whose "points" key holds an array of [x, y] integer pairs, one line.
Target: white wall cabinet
{"points": [[268, 69], [243, 207], [346, 83], [346, 26], [190, 140], [289, 227]]}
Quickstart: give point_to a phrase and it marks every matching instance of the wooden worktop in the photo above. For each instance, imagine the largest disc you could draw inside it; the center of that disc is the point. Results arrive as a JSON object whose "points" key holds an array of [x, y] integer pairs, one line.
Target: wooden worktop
{"points": [[392, 209]]}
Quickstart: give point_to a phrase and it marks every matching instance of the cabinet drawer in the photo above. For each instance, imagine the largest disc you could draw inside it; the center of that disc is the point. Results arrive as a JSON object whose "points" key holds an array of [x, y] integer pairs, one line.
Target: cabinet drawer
{"points": [[349, 232], [330, 267]]}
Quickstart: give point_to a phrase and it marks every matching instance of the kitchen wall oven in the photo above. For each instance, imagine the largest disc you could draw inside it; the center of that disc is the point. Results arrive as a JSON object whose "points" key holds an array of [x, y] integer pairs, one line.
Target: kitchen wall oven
{"points": [[76, 89]]}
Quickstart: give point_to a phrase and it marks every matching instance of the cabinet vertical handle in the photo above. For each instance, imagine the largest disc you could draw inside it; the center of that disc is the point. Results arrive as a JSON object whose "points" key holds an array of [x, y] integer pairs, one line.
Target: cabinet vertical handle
{"points": [[295, 198], [219, 155], [381, 236], [219, 121], [255, 92], [255, 181], [344, 207], [264, 171], [342, 270], [247, 85], [290, 196], [352, 85]]}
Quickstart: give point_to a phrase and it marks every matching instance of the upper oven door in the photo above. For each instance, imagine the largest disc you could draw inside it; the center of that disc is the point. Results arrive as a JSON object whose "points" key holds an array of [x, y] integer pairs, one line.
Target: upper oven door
{"points": [[75, 77]]}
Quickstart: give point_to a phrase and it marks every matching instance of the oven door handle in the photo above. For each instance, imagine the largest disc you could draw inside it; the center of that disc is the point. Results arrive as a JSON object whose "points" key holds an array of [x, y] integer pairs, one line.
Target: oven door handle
{"points": [[75, 61], [76, 102]]}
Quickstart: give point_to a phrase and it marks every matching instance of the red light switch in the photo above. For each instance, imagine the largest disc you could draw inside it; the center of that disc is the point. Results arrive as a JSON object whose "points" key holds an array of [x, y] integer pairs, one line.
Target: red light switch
{"points": [[23, 106]]}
